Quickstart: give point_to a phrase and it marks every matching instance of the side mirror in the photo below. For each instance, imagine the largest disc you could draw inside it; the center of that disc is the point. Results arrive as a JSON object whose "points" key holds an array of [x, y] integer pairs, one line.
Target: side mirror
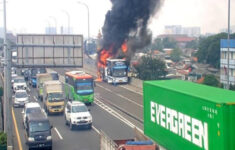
{"points": [[68, 111], [51, 126]]}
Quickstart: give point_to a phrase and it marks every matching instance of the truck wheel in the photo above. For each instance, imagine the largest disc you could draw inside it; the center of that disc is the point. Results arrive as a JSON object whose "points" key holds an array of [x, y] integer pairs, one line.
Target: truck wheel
{"points": [[49, 148], [70, 125], [89, 126], [66, 122]]}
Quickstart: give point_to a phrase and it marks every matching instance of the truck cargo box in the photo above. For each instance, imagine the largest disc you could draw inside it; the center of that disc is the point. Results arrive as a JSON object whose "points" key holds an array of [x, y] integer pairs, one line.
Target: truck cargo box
{"points": [[181, 115], [140, 142]]}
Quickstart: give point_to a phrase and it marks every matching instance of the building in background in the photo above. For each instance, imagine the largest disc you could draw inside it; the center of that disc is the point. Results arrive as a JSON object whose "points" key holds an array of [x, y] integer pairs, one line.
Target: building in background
{"points": [[66, 30], [50, 30], [178, 29], [181, 39], [224, 61], [232, 29], [173, 29]]}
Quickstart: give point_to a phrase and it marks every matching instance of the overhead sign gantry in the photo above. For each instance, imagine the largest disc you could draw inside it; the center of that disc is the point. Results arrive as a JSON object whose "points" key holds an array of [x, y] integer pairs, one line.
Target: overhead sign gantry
{"points": [[46, 50]]}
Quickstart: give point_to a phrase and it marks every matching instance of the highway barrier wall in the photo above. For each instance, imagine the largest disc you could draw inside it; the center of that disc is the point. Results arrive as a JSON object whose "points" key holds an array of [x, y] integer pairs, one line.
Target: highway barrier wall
{"points": [[184, 115], [137, 83]]}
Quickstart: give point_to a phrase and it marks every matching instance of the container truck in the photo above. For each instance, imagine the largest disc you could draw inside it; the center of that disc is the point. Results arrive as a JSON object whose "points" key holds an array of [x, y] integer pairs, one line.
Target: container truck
{"points": [[41, 78], [116, 71], [181, 115], [140, 142], [53, 97]]}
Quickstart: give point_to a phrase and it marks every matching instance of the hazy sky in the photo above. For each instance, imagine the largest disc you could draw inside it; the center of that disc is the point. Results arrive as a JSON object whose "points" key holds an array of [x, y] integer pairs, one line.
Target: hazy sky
{"points": [[32, 16]]}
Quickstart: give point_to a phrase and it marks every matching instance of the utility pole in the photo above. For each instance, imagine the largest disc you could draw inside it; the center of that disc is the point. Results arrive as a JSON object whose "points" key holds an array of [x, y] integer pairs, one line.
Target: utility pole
{"points": [[68, 20], [228, 43], [7, 85], [88, 18]]}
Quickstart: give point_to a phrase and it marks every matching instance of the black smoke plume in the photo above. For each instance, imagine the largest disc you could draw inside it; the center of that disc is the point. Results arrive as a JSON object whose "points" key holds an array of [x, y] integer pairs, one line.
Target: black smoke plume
{"points": [[128, 20]]}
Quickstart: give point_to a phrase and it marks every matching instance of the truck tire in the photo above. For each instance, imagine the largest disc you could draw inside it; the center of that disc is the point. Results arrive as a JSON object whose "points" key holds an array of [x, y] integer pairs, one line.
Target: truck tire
{"points": [[49, 148], [66, 122], [70, 125]]}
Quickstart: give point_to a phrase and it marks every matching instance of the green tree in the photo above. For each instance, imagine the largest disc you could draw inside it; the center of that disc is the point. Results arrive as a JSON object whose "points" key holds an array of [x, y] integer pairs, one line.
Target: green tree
{"points": [[151, 68], [3, 138], [193, 44], [175, 55], [157, 44], [211, 80], [169, 43], [209, 49]]}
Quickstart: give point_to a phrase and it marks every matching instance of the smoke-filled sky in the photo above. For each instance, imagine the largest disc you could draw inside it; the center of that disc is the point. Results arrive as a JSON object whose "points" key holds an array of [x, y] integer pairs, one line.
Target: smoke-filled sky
{"points": [[32, 16]]}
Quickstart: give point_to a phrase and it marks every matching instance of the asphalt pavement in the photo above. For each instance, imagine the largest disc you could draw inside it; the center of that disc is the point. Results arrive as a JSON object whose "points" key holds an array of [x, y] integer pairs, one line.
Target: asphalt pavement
{"points": [[83, 139]]}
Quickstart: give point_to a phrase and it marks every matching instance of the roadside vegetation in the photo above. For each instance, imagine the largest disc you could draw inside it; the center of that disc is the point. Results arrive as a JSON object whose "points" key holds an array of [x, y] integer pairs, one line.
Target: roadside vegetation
{"points": [[209, 49], [151, 69]]}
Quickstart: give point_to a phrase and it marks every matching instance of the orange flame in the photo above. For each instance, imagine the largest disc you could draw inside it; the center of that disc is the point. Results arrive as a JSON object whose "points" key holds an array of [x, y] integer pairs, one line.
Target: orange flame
{"points": [[102, 62], [124, 47], [104, 55]]}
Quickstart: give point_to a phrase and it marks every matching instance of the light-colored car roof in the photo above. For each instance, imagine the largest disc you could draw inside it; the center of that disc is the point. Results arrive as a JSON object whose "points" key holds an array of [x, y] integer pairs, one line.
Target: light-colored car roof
{"points": [[21, 91], [32, 105], [76, 103]]}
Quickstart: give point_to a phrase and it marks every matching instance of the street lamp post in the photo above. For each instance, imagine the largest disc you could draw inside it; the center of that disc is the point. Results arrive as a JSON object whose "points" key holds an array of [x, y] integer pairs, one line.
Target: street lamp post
{"points": [[228, 42], [55, 23], [49, 26], [68, 20], [88, 17], [7, 84]]}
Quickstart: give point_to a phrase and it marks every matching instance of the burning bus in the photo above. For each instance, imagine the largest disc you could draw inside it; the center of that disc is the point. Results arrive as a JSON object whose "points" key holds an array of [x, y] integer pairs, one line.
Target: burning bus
{"points": [[111, 69], [116, 71]]}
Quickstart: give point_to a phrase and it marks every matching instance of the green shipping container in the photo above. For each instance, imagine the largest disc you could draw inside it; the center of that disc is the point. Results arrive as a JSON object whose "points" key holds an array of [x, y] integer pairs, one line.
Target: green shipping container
{"points": [[181, 115]]}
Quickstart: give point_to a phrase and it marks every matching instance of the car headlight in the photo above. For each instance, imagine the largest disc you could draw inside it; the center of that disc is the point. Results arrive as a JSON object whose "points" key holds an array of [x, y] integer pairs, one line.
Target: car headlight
{"points": [[30, 139], [90, 118], [48, 137], [16, 101]]}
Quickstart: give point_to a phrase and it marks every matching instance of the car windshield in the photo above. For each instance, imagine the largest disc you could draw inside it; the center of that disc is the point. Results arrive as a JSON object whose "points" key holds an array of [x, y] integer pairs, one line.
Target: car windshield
{"points": [[119, 72], [33, 110], [78, 109], [34, 72], [55, 76], [55, 97], [84, 86], [19, 80], [21, 95], [39, 126]]}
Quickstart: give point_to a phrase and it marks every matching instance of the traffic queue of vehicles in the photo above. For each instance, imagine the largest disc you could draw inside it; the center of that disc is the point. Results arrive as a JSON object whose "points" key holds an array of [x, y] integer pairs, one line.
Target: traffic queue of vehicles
{"points": [[50, 92]]}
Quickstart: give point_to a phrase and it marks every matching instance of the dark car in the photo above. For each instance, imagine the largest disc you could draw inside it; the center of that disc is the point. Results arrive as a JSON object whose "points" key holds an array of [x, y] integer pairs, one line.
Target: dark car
{"points": [[38, 131], [33, 74]]}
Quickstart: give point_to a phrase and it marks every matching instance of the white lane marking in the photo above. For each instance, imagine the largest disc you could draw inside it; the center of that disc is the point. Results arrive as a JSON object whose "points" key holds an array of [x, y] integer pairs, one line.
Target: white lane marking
{"points": [[96, 130], [115, 114], [35, 98], [44, 112], [58, 133], [121, 96], [132, 90]]}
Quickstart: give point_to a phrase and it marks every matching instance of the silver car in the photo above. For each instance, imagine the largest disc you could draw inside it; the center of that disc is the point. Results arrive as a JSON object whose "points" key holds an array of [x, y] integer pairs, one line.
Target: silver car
{"points": [[20, 98]]}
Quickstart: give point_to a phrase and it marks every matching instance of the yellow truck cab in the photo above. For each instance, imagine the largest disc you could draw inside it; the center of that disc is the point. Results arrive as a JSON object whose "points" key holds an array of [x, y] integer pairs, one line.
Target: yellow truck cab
{"points": [[53, 97], [41, 78]]}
